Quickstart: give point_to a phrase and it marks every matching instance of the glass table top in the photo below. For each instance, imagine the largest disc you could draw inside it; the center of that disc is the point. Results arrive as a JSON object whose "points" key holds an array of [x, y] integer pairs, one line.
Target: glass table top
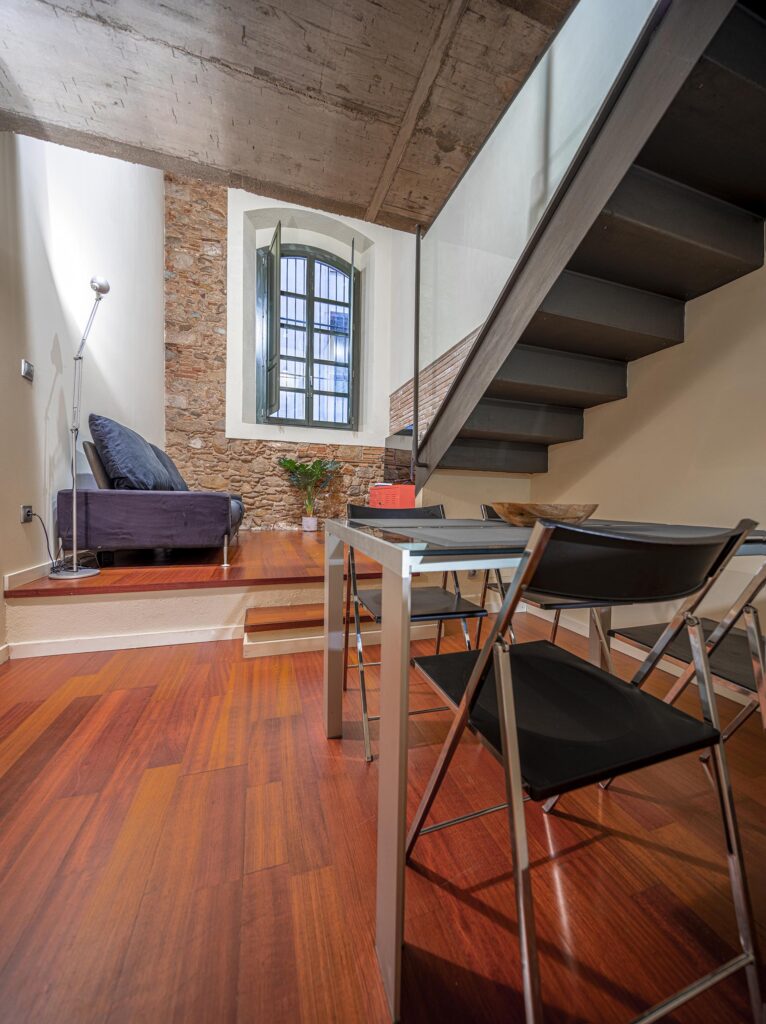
{"points": [[473, 537]]}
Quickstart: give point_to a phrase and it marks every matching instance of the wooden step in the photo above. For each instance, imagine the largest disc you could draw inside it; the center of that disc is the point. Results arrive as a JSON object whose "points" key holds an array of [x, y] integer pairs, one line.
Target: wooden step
{"points": [[291, 616]]}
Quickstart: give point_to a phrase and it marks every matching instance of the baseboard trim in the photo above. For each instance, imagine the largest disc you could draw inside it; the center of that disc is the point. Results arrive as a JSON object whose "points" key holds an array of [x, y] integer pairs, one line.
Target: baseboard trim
{"points": [[260, 648], [21, 576], [5, 653], [123, 642]]}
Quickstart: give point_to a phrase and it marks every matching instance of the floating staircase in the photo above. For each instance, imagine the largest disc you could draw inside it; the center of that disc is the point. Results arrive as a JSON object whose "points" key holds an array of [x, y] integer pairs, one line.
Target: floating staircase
{"points": [[687, 217]]}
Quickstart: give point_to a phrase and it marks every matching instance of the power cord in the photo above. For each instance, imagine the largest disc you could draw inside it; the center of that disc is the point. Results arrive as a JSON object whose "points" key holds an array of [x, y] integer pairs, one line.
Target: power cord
{"points": [[47, 540]]}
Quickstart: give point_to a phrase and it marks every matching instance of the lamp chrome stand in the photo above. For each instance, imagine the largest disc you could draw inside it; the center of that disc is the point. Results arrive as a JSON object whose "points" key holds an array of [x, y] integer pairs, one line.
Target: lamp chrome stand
{"points": [[75, 571]]}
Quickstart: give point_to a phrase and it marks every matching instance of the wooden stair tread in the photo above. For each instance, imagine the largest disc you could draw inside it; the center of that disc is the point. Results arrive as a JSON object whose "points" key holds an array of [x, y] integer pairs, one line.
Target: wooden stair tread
{"points": [[259, 620]]}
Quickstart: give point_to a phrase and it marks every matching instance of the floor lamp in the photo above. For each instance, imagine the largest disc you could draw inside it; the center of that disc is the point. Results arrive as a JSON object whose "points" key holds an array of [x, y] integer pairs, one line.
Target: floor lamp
{"points": [[75, 571]]}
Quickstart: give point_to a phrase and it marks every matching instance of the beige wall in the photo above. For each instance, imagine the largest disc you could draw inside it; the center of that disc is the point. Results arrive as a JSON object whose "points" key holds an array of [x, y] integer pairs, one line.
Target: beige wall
{"points": [[462, 492], [64, 216], [687, 444]]}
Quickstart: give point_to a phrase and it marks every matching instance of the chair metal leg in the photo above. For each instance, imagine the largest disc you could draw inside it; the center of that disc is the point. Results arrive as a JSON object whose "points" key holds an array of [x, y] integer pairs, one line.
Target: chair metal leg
{"points": [[598, 627], [360, 659], [550, 803], [555, 627], [738, 879], [736, 723], [225, 563], [362, 686], [439, 626], [533, 1008], [466, 637], [755, 640], [720, 772], [347, 628], [483, 603], [437, 776]]}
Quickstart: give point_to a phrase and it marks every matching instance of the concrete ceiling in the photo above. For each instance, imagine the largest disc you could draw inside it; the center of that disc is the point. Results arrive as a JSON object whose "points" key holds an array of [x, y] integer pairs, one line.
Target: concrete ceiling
{"points": [[371, 108]]}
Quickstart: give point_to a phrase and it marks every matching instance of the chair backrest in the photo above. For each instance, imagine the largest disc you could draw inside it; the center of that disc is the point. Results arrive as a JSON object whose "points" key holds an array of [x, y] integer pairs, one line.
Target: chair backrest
{"points": [[598, 564], [368, 512], [488, 513], [97, 466]]}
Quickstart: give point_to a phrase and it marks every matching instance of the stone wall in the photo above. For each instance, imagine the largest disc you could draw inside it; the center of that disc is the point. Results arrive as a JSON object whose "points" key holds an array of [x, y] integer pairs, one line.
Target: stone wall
{"points": [[195, 377], [435, 382]]}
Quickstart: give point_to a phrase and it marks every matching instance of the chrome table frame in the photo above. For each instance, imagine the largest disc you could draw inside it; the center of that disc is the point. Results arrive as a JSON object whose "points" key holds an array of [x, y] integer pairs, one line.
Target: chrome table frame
{"points": [[399, 565]]}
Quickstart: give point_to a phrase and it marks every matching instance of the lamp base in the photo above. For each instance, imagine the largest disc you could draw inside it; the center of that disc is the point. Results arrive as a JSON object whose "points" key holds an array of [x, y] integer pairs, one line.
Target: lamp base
{"points": [[80, 573]]}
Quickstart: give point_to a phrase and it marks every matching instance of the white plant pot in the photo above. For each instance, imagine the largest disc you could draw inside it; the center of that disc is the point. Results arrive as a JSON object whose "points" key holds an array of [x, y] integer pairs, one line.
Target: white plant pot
{"points": [[309, 524]]}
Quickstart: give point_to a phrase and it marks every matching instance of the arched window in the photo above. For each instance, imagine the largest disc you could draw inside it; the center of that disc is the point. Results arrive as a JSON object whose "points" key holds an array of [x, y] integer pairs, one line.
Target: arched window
{"points": [[307, 369]]}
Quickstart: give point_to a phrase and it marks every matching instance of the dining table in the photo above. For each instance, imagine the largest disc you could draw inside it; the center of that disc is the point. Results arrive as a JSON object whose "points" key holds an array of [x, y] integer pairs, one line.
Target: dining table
{"points": [[405, 548]]}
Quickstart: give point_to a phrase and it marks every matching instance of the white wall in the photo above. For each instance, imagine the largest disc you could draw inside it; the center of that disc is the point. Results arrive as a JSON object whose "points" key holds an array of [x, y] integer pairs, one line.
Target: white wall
{"points": [[386, 260], [64, 216]]}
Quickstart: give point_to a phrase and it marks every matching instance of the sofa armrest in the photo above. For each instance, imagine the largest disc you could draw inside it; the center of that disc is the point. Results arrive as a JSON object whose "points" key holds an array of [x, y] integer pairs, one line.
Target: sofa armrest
{"points": [[124, 519]]}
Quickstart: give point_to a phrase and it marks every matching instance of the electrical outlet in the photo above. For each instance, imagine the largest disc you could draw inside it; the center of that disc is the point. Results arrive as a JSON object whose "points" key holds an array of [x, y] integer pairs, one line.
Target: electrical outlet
{"points": [[26, 514]]}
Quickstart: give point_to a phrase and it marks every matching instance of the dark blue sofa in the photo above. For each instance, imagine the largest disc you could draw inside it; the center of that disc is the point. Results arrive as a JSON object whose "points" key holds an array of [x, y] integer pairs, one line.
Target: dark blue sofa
{"points": [[137, 505]]}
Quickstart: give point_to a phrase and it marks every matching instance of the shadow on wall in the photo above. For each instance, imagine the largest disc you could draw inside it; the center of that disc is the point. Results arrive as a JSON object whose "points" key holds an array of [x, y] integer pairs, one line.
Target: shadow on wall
{"points": [[36, 326]]}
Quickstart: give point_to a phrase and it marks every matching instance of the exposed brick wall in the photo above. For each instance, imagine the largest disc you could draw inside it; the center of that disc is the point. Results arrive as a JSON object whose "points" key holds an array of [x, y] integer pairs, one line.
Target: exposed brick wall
{"points": [[435, 381], [195, 377]]}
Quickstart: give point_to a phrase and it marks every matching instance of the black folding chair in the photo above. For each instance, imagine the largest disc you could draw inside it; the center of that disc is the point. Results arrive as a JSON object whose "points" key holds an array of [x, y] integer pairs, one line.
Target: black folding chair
{"points": [[558, 723], [547, 602], [736, 655], [428, 604]]}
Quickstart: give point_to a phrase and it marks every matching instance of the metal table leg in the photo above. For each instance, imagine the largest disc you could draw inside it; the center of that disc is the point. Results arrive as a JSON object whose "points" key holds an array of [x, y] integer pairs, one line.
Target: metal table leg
{"points": [[333, 636], [392, 783]]}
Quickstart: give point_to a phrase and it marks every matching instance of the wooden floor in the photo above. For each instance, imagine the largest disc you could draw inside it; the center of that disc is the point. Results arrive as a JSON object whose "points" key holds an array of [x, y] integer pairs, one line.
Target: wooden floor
{"points": [[180, 843], [258, 558]]}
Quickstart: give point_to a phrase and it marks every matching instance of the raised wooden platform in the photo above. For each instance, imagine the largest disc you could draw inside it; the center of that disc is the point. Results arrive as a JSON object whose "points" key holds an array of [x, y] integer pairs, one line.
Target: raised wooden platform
{"points": [[258, 559]]}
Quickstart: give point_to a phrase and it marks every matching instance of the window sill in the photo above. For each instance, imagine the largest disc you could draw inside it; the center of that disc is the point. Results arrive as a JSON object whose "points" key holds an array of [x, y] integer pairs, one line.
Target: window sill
{"points": [[245, 431]]}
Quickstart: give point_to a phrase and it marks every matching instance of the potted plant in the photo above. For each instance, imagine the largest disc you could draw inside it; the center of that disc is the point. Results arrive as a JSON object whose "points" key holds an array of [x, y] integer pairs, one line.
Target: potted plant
{"points": [[310, 477]]}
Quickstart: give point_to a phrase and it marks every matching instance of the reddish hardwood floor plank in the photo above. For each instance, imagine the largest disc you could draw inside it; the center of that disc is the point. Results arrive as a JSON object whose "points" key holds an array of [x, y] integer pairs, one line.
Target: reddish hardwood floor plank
{"points": [[268, 972], [24, 886], [28, 767], [266, 827], [163, 904], [202, 842], [77, 975], [182, 963]]}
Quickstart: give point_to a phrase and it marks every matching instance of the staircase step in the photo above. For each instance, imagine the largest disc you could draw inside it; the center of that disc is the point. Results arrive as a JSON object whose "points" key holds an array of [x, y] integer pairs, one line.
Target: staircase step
{"points": [[711, 137], [291, 616], [532, 374], [494, 419], [665, 237], [495, 456], [600, 318]]}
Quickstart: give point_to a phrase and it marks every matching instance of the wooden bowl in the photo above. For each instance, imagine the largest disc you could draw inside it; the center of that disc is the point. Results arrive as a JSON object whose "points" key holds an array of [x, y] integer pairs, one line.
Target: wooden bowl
{"points": [[525, 513]]}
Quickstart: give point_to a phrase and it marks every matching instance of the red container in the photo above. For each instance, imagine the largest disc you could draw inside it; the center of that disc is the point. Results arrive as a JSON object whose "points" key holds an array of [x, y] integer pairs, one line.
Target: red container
{"points": [[392, 495]]}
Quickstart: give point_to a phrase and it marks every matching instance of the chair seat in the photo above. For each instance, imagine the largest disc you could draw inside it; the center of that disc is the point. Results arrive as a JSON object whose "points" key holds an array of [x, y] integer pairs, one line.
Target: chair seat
{"points": [[428, 603], [730, 661], [576, 723]]}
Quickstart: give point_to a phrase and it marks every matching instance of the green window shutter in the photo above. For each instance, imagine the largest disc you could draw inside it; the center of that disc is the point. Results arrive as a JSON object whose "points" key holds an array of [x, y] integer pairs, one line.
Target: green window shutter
{"points": [[272, 352]]}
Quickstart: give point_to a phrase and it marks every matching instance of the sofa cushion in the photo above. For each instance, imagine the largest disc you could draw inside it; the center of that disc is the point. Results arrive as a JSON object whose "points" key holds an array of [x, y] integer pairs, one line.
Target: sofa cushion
{"points": [[128, 459], [179, 484]]}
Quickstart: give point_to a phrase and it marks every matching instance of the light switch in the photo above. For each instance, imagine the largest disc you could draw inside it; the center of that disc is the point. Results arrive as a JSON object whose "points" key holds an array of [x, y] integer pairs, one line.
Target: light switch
{"points": [[27, 370]]}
